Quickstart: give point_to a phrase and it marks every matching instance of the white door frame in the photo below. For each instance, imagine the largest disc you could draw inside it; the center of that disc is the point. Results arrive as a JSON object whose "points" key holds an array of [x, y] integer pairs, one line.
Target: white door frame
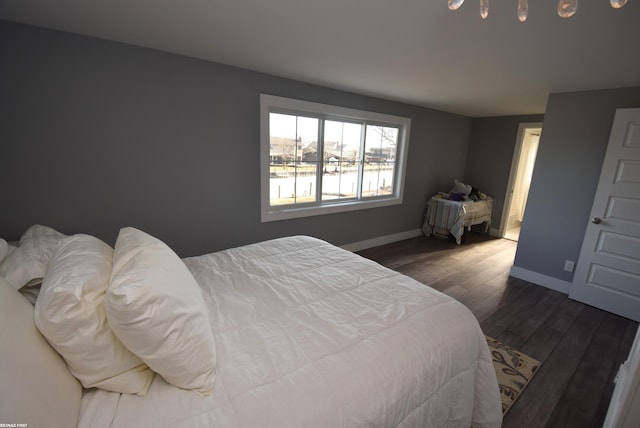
{"points": [[522, 128], [624, 408]]}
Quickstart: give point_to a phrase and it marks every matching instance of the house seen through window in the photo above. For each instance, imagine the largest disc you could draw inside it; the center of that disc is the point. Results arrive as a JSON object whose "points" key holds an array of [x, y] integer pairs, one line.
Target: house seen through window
{"points": [[318, 158]]}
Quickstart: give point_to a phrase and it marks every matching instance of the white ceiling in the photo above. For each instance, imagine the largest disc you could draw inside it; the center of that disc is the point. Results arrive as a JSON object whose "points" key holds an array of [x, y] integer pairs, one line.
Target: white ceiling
{"points": [[416, 51]]}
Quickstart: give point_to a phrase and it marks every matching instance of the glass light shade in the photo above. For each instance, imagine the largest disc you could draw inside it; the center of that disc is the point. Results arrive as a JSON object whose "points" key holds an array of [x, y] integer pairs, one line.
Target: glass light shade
{"points": [[454, 4], [523, 10], [567, 8], [484, 8]]}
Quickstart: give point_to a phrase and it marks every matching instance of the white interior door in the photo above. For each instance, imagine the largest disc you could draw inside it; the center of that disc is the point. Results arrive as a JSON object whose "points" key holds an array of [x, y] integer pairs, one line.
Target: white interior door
{"points": [[608, 271]]}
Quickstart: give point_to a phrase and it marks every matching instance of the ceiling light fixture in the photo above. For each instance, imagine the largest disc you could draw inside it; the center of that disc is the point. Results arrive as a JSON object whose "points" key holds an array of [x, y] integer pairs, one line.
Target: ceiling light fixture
{"points": [[566, 8]]}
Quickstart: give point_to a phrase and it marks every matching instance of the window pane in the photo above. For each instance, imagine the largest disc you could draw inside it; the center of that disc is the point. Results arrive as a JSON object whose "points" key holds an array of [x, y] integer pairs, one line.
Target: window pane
{"points": [[358, 164], [293, 148], [341, 159], [381, 145]]}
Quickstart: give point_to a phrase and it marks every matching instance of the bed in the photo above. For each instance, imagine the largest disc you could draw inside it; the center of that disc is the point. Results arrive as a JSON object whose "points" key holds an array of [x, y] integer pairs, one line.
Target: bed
{"points": [[446, 216], [291, 332]]}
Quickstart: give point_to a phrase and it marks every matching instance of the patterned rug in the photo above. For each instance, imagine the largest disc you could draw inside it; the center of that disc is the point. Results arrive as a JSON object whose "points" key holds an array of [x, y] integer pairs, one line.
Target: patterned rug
{"points": [[513, 369]]}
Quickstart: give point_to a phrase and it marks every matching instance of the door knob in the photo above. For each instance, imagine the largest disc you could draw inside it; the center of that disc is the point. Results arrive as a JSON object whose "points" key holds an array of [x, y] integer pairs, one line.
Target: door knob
{"points": [[596, 220]]}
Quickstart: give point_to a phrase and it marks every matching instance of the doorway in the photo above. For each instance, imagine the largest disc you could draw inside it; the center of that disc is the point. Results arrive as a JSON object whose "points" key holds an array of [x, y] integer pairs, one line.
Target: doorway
{"points": [[524, 158]]}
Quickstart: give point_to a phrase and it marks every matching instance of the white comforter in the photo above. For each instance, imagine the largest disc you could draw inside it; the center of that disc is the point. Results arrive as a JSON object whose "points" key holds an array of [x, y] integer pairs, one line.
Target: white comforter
{"points": [[310, 335]]}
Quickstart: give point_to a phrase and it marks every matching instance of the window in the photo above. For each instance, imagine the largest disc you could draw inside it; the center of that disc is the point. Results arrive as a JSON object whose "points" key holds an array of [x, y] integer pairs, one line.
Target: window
{"points": [[318, 159]]}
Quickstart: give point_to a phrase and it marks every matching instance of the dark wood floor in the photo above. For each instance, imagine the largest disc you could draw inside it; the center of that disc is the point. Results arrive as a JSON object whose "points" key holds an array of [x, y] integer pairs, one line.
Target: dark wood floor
{"points": [[580, 347]]}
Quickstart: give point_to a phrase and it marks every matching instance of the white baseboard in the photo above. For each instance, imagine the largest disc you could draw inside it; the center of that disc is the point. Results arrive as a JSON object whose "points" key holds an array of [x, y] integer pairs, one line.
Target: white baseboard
{"points": [[395, 237], [382, 240], [540, 279]]}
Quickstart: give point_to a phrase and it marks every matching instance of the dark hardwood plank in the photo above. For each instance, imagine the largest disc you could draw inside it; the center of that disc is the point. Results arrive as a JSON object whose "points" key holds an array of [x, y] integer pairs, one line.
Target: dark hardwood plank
{"points": [[509, 293], [546, 338], [546, 389], [506, 315], [620, 357], [580, 400], [580, 347], [532, 317]]}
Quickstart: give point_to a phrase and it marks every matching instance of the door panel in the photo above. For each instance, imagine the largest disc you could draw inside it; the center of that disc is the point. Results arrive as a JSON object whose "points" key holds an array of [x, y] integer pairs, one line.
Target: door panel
{"points": [[608, 271]]}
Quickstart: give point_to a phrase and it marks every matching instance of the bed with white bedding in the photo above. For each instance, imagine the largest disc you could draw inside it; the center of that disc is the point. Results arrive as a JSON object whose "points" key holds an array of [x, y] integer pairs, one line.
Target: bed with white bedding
{"points": [[304, 334]]}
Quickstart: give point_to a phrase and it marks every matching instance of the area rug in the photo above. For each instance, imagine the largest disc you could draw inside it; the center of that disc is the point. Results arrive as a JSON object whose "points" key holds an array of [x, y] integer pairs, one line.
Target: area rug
{"points": [[513, 369]]}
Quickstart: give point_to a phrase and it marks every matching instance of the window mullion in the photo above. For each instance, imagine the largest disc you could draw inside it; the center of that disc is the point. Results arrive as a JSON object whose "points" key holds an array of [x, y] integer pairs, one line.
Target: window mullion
{"points": [[320, 159], [295, 169], [361, 161]]}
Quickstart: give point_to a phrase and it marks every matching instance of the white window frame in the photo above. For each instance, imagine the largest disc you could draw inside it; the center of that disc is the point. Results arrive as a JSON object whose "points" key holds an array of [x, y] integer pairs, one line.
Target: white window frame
{"points": [[269, 103]]}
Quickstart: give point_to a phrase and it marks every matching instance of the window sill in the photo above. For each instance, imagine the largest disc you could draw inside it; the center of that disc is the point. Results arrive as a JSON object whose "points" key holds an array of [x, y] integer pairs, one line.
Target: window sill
{"points": [[282, 213]]}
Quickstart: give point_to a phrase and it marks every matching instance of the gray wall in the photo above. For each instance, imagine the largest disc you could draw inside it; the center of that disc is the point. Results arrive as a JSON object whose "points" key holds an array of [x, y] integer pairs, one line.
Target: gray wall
{"points": [[490, 154], [97, 135], [570, 155]]}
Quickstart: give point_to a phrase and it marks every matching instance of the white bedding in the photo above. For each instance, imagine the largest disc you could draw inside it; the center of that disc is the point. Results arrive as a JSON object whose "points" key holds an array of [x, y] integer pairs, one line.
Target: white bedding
{"points": [[310, 335]]}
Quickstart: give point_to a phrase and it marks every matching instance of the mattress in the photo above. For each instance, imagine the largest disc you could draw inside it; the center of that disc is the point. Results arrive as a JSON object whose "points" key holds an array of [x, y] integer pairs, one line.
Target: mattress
{"points": [[311, 335]]}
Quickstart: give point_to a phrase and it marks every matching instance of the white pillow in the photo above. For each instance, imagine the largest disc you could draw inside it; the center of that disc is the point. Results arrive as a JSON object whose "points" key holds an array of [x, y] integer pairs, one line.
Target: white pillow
{"points": [[28, 263], [459, 187], [36, 387], [155, 307], [70, 312], [5, 249]]}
